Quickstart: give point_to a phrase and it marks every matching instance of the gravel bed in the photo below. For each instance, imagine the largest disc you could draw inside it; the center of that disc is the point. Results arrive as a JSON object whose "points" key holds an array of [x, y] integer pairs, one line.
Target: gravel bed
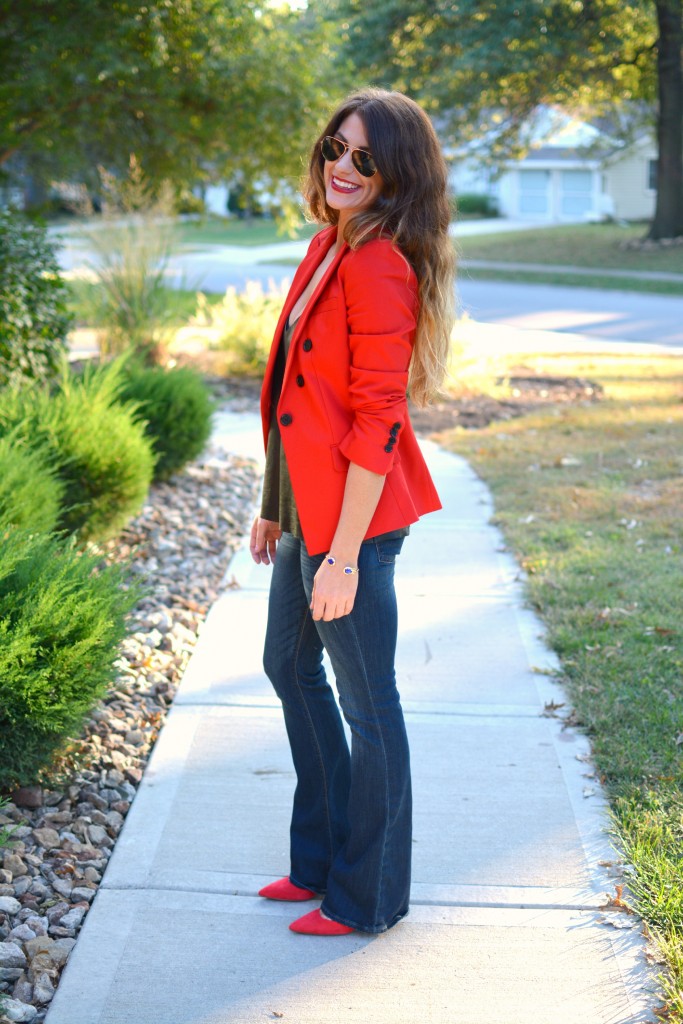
{"points": [[181, 545]]}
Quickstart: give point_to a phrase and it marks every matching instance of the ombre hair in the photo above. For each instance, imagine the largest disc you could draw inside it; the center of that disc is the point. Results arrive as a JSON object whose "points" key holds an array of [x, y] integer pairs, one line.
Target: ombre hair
{"points": [[412, 209]]}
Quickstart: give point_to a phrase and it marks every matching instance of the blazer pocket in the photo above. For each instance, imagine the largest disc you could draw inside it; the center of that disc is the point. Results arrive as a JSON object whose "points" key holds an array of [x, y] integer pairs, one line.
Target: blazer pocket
{"points": [[326, 306]]}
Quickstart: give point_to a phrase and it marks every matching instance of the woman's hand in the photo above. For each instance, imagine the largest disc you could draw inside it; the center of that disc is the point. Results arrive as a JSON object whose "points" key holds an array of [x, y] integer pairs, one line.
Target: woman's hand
{"points": [[263, 542], [333, 592]]}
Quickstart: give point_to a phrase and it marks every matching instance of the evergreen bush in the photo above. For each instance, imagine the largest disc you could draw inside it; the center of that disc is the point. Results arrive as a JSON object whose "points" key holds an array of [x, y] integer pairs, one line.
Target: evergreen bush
{"points": [[62, 616], [33, 316], [30, 492], [176, 409], [474, 204], [96, 447]]}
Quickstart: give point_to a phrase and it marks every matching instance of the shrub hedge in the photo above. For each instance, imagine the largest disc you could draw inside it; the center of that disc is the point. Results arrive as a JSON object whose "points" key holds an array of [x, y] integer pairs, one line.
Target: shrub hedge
{"points": [[62, 615], [98, 451], [474, 203], [176, 408], [30, 493], [33, 314]]}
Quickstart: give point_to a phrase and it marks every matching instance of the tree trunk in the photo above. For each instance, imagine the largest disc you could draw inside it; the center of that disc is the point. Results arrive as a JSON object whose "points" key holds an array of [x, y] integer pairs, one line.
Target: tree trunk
{"points": [[668, 220]]}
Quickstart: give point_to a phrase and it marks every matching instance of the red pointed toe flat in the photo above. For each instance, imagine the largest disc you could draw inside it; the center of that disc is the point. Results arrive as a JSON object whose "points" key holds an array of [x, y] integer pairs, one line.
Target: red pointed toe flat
{"points": [[285, 890], [315, 924]]}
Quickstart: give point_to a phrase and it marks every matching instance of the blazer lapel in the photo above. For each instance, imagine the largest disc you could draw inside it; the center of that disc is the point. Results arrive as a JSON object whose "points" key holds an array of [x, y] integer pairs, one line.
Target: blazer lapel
{"points": [[303, 275]]}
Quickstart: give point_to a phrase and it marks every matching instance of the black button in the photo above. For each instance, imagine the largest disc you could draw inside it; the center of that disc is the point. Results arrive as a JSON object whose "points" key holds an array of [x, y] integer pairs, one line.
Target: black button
{"points": [[286, 419], [308, 345], [393, 432], [388, 448], [396, 427], [300, 380]]}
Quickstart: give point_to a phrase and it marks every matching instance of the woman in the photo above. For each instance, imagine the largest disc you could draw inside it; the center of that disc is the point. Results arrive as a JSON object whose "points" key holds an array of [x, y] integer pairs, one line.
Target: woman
{"points": [[369, 311]]}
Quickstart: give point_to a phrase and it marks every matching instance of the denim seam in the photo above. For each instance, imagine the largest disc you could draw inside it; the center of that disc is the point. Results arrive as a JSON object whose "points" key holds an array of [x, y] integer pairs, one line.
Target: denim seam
{"points": [[386, 769], [313, 732]]}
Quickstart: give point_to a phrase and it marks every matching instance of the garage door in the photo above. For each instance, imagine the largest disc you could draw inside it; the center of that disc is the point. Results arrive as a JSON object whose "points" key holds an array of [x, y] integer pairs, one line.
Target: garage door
{"points": [[534, 194], [576, 193]]}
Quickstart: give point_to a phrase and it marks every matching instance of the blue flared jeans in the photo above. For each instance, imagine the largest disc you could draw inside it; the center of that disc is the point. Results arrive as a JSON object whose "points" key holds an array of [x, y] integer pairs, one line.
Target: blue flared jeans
{"points": [[351, 828]]}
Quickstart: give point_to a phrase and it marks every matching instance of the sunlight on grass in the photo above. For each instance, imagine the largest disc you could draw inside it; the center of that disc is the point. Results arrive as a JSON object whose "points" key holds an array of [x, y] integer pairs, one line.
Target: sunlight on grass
{"points": [[589, 496], [577, 245]]}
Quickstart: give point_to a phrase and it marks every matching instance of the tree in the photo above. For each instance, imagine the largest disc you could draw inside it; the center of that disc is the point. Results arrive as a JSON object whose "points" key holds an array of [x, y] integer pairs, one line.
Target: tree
{"points": [[668, 219], [193, 87], [482, 68]]}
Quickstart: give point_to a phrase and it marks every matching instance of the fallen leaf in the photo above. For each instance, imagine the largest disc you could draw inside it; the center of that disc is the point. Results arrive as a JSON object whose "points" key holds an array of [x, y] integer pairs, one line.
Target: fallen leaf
{"points": [[617, 901], [549, 709]]}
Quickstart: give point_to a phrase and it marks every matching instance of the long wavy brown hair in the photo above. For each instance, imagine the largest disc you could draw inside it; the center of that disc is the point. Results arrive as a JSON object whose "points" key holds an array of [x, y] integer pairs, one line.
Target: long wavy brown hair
{"points": [[412, 209]]}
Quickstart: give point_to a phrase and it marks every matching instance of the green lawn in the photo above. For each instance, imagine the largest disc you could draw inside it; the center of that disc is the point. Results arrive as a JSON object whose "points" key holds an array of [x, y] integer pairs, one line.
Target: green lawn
{"points": [[182, 304], [596, 280], [589, 497], [576, 245], [237, 232]]}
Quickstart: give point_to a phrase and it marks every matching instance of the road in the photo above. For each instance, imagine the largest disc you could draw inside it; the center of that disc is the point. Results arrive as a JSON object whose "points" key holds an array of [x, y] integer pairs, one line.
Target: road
{"points": [[605, 314], [609, 315]]}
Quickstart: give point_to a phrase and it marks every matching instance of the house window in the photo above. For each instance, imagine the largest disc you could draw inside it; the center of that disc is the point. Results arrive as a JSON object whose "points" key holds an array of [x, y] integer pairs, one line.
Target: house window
{"points": [[652, 175]]}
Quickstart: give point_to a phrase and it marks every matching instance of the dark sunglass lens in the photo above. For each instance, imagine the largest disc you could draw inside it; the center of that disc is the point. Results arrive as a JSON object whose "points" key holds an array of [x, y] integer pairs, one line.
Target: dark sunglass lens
{"points": [[331, 149], [364, 163]]}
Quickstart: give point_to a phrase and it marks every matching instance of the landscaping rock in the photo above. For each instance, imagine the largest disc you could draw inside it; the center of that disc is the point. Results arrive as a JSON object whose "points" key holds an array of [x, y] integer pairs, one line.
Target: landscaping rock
{"points": [[15, 1010], [43, 988], [46, 837], [9, 905], [14, 864], [181, 543]]}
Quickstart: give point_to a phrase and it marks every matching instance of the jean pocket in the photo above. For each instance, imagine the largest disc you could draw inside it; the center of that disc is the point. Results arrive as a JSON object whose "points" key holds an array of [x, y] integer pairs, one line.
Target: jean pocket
{"points": [[387, 550]]}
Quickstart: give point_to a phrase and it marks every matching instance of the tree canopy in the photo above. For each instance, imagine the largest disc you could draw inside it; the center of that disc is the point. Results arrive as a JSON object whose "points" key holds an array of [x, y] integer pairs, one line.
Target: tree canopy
{"points": [[481, 69], [187, 85]]}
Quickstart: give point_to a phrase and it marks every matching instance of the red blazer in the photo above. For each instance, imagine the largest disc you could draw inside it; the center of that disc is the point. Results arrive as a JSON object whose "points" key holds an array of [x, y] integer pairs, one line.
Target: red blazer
{"points": [[344, 391]]}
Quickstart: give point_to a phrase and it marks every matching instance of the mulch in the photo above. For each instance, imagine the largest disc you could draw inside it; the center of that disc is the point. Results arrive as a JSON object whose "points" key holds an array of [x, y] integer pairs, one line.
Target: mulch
{"points": [[526, 392]]}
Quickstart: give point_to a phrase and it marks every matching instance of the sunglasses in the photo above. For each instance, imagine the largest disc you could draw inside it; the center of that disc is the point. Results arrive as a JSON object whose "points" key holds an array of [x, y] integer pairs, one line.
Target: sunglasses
{"points": [[333, 149]]}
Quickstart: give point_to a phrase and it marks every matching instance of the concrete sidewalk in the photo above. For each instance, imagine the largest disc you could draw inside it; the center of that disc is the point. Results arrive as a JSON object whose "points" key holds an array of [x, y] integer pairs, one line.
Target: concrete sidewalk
{"points": [[506, 924]]}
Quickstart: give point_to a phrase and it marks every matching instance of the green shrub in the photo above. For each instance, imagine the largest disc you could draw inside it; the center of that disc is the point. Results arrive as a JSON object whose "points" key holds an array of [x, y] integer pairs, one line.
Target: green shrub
{"points": [[241, 326], [98, 451], [30, 493], [187, 202], [474, 204], [33, 315], [62, 616], [176, 407]]}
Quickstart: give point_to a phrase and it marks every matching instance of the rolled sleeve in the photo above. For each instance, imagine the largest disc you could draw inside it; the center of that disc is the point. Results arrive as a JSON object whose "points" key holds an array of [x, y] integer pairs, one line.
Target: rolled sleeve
{"points": [[380, 290]]}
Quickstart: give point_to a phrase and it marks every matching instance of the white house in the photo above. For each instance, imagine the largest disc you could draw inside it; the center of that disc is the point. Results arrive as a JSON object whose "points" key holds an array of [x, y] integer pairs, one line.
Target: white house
{"points": [[571, 172]]}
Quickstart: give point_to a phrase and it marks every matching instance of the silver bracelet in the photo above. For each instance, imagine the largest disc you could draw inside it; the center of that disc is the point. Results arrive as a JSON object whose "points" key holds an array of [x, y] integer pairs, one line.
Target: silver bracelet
{"points": [[348, 569]]}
